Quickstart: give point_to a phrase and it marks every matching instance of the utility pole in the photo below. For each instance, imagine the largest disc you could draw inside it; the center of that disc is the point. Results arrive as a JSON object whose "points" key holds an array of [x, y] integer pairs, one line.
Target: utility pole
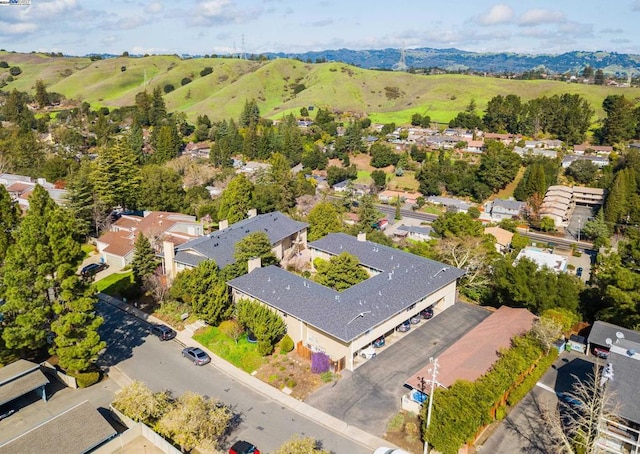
{"points": [[434, 376], [579, 219]]}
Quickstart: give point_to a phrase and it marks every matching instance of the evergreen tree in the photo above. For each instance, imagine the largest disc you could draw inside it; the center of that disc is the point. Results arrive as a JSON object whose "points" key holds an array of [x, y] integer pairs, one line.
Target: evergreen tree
{"points": [[620, 123], [36, 266], [42, 97], [9, 220], [116, 176], [80, 197], [368, 214], [236, 200], [144, 261], [323, 219], [292, 146], [166, 143], [340, 272], [161, 189], [136, 142], [143, 107], [250, 114], [617, 203], [157, 108]]}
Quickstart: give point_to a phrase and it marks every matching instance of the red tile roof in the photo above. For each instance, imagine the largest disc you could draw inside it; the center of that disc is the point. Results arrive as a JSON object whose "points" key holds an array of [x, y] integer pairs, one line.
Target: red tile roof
{"points": [[473, 355]]}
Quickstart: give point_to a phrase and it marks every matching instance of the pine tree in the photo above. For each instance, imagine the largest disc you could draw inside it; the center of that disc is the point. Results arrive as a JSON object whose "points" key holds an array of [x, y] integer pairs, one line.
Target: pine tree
{"points": [[42, 97], [144, 261], [35, 267], [166, 142], [9, 220], [323, 219], [237, 199], [116, 176], [157, 108]]}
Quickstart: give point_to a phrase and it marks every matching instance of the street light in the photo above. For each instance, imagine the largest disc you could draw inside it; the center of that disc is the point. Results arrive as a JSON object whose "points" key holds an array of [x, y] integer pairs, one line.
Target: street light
{"points": [[361, 314]]}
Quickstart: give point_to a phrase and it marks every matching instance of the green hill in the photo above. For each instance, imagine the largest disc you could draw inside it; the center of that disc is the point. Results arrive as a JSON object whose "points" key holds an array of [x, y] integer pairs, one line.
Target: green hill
{"points": [[279, 86]]}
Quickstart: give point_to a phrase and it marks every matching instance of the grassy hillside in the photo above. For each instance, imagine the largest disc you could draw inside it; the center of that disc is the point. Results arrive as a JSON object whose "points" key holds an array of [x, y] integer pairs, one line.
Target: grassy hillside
{"points": [[385, 96]]}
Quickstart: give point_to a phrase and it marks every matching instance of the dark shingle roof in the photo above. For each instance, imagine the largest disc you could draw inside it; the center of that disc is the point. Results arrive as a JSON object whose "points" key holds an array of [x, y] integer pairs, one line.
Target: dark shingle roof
{"points": [[77, 430], [403, 280], [601, 331], [220, 245], [624, 386], [416, 229], [512, 205]]}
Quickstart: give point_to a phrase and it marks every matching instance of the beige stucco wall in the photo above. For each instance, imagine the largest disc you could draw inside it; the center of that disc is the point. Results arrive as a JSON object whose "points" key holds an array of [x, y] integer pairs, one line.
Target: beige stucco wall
{"points": [[318, 340]]}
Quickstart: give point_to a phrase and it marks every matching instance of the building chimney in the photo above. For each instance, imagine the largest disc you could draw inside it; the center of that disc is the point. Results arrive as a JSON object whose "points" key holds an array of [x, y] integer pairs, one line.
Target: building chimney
{"points": [[252, 213], [362, 236], [223, 224], [255, 262], [169, 262]]}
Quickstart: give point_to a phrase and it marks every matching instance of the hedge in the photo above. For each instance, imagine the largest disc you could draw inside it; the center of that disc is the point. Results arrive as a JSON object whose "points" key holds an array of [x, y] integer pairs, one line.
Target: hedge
{"points": [[86, 379], [530, 381]]}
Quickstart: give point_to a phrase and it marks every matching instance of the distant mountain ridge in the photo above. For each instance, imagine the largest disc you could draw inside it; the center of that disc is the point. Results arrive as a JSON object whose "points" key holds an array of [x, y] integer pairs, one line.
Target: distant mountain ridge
{"points": [[456, 59]]}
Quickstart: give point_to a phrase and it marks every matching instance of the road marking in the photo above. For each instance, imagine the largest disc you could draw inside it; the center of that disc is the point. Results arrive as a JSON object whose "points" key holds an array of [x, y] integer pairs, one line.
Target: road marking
{"points": [[545, 387]]}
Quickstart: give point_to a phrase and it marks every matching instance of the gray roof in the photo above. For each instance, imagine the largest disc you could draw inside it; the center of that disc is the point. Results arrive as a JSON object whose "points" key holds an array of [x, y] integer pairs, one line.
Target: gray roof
{"points": [[448, 201], [511, 205], [403, 280], [416, 229], [220, 245], [601, 331], [20, 378], [624, 386], [76, 430]]}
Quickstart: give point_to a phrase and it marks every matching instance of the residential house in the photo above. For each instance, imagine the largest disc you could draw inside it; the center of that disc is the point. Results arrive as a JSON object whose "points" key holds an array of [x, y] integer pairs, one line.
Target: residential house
{"points": [[600, 150], [341, 186], [560, 201], [414, 232], [544, 152], [474, 353], [20, 188], [286, 236], [500, 209], [503, 238], [474, 146], [199, 150], [622, 346], [118, 245], [341, 324], [506, 139], [544, 259], [450, 203], [599, 161]]}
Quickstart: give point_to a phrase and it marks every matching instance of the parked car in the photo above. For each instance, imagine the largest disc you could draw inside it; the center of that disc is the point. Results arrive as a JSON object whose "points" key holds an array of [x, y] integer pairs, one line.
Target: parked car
{"points": [[415, 319], [427, 313], [379, 342], [384, 450], [243, 447], [601, 352], [196, 355], [163, 332], [570, 400], [405, 326], [368, 353], [92, 269], [579, 271]]}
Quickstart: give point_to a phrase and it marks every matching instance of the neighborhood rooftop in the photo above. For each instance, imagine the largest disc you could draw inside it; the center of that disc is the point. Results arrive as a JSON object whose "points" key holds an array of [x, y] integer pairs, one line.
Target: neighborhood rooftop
{"points": [[403, 280], [220, 245]]}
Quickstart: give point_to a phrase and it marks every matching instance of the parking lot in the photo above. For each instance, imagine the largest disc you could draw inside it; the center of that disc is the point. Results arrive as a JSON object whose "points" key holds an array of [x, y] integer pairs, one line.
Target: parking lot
{"points": [[368, 397]]}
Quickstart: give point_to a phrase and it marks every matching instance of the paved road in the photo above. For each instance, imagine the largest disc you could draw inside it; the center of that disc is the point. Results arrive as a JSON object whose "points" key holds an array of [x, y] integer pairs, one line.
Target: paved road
{"points": [[161, 366], [370, 396]]}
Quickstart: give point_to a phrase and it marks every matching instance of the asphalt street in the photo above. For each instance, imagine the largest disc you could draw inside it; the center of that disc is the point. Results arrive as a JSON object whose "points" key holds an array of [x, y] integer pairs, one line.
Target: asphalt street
{"points": [[370, 396], [161, 366]]}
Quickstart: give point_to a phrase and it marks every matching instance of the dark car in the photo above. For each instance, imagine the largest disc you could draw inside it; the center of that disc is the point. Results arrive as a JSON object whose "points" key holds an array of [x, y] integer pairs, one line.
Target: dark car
{"points": [[92, 269], [196, 355], [427, 313], [379, 342], [579, 271], [601, 352], [243, 447], [405, 326], [163, 332]]}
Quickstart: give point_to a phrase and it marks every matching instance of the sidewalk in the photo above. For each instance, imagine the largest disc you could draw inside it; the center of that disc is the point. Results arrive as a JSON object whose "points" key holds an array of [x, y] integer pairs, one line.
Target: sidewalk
{"points": [[328, 421]]}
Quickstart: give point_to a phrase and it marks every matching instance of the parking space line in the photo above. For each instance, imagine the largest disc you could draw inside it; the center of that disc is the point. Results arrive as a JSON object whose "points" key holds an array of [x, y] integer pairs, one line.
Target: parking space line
{"points": [[546, 388]]}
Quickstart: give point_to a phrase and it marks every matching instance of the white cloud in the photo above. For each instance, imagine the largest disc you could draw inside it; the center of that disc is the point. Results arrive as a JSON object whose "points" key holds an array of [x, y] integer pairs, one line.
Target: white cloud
{"points": [[209, 12], [498, 14], [126, 23], [20, 28], [322, 23], [154, 7], [535, 17]]}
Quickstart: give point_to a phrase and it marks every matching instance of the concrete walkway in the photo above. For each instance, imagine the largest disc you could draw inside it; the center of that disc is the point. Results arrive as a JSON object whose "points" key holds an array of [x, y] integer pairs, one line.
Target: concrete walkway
{"points": [[324, 419]]}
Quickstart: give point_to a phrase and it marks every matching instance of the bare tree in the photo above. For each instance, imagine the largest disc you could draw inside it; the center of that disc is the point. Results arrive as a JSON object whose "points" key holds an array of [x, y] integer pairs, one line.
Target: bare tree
{"points": [[546, 331], [470, 254], [101, 215], [139, 403], [574, 424], [156, 286]]}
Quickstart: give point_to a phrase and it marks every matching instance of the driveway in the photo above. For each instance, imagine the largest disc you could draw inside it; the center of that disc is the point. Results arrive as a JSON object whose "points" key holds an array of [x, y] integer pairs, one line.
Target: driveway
{"points": [[523, 430], [368, 397]]}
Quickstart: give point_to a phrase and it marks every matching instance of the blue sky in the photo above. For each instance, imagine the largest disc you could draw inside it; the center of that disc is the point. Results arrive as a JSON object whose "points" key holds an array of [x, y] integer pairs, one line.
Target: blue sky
{"points": [[221, 26]]}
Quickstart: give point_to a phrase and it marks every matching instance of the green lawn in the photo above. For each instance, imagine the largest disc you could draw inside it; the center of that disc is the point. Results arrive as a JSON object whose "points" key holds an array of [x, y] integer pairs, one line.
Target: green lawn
{"points": [[115, 284], [243, 355], [87, 249]]}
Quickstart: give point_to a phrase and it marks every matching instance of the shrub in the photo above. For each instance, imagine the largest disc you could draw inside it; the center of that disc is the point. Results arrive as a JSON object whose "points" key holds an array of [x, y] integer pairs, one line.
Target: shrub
{"points": [[86, 379], [123, 68], [326, 377], [501, 412], [4, 64], [320, 362], [265, 348], [207, 70], [411, 429], [185, 81], [395, 424], [286, 344], [291, 383], [169, 88], [15, 71]]}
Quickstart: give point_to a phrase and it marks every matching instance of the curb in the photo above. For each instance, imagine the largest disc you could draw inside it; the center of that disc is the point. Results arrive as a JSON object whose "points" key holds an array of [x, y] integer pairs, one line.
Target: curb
{"points": [[332, 423]]}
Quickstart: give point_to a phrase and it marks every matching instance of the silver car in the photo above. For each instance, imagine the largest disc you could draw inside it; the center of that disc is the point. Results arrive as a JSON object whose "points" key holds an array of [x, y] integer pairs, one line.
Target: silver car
{"points": [[196, 355]]}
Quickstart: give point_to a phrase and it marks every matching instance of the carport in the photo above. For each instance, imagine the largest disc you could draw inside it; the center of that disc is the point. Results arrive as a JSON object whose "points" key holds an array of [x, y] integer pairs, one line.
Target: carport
{"points": [[20, 378]]}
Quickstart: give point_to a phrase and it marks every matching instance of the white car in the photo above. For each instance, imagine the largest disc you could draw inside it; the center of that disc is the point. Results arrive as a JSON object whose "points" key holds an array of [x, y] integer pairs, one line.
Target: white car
{"points": [[389, 451], [368, 353]]}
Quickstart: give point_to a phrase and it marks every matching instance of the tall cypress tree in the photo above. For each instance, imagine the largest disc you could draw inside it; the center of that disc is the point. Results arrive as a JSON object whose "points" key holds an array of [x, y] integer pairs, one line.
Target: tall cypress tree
{"points": [[9, 219], [144, 261]]}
